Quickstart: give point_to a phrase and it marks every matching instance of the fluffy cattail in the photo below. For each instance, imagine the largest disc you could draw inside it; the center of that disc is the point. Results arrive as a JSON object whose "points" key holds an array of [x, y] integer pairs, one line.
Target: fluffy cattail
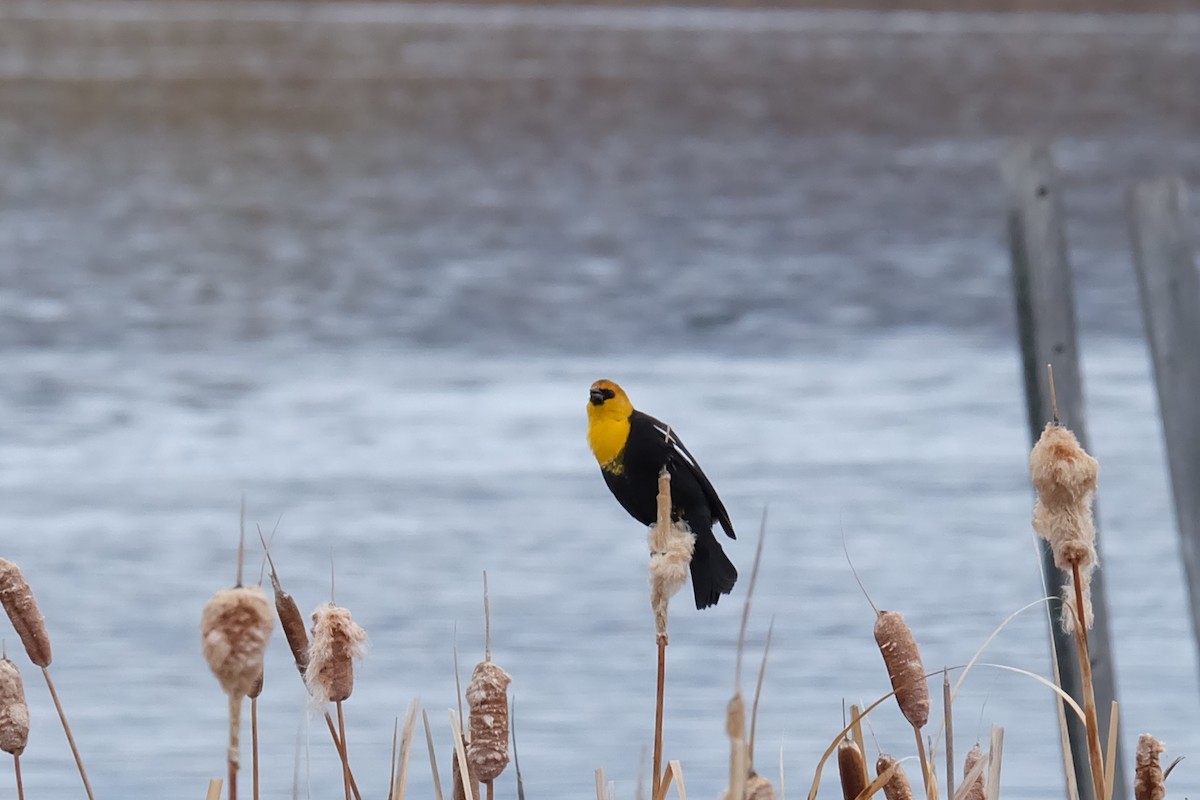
{"points": [[852, 769], [1148, 782], [671, 548], [976, 790], [337, 642], [487, 695], [14, 714], [903, 661], [292, 622], [234, 631], [18, 601], [759, 788], [897, 786], [1065, 477]]}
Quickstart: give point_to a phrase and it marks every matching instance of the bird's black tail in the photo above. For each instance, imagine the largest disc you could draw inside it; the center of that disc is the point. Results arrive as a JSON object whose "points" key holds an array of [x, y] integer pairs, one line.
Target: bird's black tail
{"points": [[713, 574]]}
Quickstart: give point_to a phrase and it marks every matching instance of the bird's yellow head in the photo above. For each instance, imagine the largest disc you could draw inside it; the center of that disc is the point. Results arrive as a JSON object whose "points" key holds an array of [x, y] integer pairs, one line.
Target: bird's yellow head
{"points": [[608, 420]]}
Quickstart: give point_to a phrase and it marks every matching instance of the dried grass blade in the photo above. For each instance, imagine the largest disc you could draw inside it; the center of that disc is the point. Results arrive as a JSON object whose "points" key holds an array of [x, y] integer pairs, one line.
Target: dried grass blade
{"points": [[1110, 759], [406, 738], [214, 789], [437, 781], [995, 759], [600, 783], [1066, 698], [676, 771]]}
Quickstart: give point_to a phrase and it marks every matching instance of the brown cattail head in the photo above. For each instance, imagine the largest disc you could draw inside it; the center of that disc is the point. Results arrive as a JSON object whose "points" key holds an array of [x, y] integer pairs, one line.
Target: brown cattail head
{"points": [[1148, 782], [337, 642], [292, 622], [18, 601], [671, 547], [759, 788], [852, 769], [897, 786], [976, 790], [487, 695], [1065, 478], [903, 661], [14, 714], [234, 631]]}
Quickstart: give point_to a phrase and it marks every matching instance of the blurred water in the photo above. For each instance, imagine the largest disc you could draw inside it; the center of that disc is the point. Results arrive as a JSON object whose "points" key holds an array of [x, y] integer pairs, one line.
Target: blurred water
{"points": [[360, 263]]}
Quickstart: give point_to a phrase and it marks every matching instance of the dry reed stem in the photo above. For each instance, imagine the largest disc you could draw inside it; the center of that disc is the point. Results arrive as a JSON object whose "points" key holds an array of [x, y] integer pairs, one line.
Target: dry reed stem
{"points": [[852, 769], [62, 717], [214, 789], [14, 713], [517, 761], [973, 767], [1091, 718], [1148, 782], [399, 786], [903, 661], [600, 783], [995, 757], [234, 631], [337, 642], [487, 697], [460, 773], [17, 777], [254, 742], [1110, 754], [856, 733], [345, 751], [17, 598], [948, 727], [437, 779], [897, 786], [233, 755], [735, 727]]}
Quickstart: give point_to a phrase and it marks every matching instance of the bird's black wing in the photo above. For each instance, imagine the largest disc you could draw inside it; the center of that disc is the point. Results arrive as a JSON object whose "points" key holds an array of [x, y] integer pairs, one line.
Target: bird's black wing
{"points": [[690, 463]]}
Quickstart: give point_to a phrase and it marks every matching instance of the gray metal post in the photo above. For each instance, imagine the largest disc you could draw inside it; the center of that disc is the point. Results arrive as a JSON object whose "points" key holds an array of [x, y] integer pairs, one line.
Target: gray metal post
{"points": [[1046, 322], [1170, 290]]}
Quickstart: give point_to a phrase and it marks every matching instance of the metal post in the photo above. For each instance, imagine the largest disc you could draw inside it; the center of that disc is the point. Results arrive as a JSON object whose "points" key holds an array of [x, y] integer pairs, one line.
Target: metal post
{"points": [[1046, 323], [1170, 291]]}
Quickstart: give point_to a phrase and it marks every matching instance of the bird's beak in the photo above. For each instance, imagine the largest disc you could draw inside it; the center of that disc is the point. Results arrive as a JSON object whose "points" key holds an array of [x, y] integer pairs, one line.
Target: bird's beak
{"points": [[596, 397]]}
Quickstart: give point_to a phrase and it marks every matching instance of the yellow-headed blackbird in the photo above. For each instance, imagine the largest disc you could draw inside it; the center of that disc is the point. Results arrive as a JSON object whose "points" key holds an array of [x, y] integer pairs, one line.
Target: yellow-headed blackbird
{"points": [[632, 448]]}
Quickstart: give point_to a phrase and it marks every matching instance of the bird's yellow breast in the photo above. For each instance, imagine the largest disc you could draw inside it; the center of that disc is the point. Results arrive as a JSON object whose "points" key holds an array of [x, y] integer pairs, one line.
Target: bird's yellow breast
{"points": [[607, 436]]}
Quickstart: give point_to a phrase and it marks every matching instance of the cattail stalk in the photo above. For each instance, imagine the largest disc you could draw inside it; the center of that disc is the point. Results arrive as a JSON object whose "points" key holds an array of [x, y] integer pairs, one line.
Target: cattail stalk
{"points": [[234, 630], [671, 549], [907, 673], [1065, 477], [296, 633], [1148, 782], [337, 642], [255, 691], [14, 718], [19, 603]]}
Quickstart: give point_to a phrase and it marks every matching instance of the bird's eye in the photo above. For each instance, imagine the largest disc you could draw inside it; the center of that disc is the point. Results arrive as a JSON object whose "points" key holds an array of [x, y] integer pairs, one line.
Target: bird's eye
{"points": [[607, 393]]}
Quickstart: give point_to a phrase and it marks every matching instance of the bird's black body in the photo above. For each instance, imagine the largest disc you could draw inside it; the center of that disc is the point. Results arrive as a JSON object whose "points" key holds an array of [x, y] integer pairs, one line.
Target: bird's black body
{"points": [[633, 480]]}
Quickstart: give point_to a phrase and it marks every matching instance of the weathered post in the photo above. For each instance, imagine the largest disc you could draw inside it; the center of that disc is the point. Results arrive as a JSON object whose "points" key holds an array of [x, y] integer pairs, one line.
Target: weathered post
{"points": [[1170, 290], [1046, 323]]}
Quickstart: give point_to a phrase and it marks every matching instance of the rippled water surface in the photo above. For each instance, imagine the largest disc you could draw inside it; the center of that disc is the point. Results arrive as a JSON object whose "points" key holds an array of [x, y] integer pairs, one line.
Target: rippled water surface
{"points": [[360, 263]]}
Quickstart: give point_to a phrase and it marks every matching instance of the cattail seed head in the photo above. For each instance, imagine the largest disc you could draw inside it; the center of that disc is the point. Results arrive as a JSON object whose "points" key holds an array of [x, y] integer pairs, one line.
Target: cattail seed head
{"points": [[904, 666], [897, 786], [14, 714], [1148, 782], [487, 695], [337, 642], [234, 631], [977, 790], [672, 545], [292, 622], [852, 769], [759, 788], [1065, 477], [18, 601]]}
